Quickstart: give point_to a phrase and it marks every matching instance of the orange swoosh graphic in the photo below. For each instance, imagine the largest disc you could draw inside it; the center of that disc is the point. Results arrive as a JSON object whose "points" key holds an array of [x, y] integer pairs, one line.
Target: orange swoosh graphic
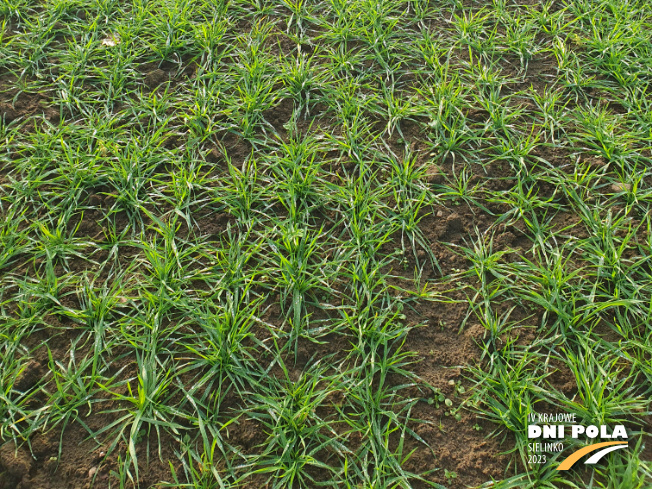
{"points": [[575, 456]]}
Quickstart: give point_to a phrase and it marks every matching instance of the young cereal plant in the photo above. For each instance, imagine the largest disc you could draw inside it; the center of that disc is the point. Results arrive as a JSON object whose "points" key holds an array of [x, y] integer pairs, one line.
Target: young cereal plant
{"points": [[301, 15], [45, 291], [201, 117], [223, 349], [604, 395], [520, 39], [364, 271], [116, 82], [355, 136], [98, 308], [14, 8], [170, 29], [552, 288], [551, 112], [486, 75], [342, 62], [488, 265], [76, 387], [626, 469], [130, 177], [200, 467], [150, 112], [302, 274], [433, 53], [188, 188], [301, 77], [12, 239], [376, 25], [460, 186], [517, 150], [82, 166], [371, 328], [496, 279], [298, 437], [296, 171], [470, 28], [232, 271], [574, 79], [57, 245], [398, 107], [361, 204], [503, 117], [149, 406], [18, 418], [211, 38], [601, 132], [241, 193], [254, 93], [411, 196], [35, 42], [552, 21], [379, 411], [449, 132], [494, 323], [606, 250], [507, 390]]}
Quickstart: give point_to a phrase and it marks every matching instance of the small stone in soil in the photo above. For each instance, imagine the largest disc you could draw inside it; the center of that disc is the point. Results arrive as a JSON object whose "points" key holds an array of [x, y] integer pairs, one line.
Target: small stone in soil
{"points": [[621, 187]]}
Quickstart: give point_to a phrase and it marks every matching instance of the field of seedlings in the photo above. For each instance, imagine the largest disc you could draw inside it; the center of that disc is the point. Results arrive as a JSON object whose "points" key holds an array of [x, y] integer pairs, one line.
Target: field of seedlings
{"points": [[293, 244]]}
